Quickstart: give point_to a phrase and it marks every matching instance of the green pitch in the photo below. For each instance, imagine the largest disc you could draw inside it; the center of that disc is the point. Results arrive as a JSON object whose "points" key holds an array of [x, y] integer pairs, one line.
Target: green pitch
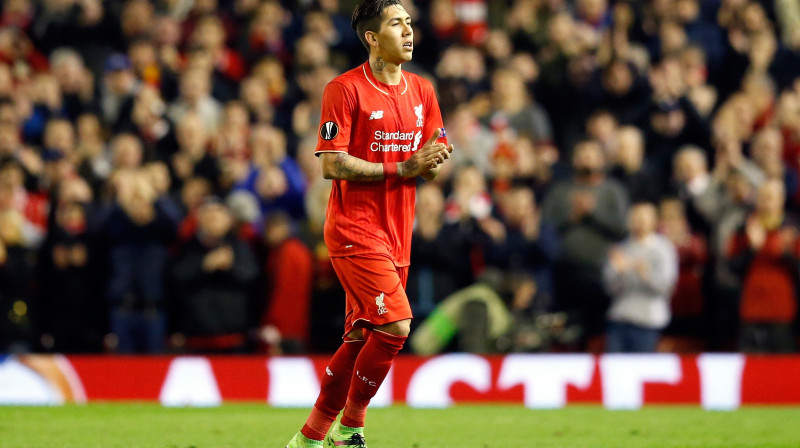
{"points": [[254, 426]]}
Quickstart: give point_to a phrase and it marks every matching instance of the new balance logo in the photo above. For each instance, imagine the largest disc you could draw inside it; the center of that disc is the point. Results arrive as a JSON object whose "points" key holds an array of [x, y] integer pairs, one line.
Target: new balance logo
{"points": [[376, 115], [381, 307]]}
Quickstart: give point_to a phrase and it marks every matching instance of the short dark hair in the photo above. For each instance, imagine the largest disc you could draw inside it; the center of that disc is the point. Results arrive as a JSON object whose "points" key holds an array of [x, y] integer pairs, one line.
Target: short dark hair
{"points": [[368, 16]]}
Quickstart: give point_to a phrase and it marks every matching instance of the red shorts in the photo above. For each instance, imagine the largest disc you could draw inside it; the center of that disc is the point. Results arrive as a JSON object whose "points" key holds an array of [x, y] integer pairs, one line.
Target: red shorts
{"points": [[375, 289]]}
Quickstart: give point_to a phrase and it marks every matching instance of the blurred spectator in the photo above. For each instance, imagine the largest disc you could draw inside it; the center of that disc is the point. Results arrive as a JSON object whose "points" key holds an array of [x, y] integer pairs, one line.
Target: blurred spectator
{"points": [[695, 74], [274, 177], [193, 193], [441, 252], [143, 54], [119, 90], [95, 158], [210, 34], [265, 33], [474, 140], [514, 109], [630, 168], [127, 152], [74, 320], [767, 153], [620, 89], [306, 114], [687, 306], [136, 19], [602, 126], [722, 299], [150, 123], [289, 270], [470, 199], [136, 230], [195, 95], [704, 192], [588, 212], [192, 159], [47, 105], [533, 165], [33, 207], [16, 48], [673, 119], [213, 276], [527, 246], [75, 80], [17, 265], [639, 277], [253, 92], [765, 252]]}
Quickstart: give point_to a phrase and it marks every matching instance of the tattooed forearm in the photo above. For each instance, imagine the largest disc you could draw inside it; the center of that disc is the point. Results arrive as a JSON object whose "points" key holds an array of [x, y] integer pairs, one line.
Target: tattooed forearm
{"points": [[346, 167], [379, 64]]}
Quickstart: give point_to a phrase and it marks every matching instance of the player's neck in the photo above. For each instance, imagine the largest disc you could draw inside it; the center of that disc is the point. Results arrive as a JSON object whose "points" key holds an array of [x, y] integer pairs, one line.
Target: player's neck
{"points": [[385, 72]]}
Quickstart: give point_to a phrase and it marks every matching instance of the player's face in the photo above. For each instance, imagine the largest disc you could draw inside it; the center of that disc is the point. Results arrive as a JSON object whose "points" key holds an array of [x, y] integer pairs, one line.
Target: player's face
{"points": [[396, 37]]}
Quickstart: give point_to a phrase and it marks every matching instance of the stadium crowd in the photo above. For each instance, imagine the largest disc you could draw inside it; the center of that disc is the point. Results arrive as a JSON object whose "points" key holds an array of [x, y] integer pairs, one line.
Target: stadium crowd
{"points": [[627, 169]]}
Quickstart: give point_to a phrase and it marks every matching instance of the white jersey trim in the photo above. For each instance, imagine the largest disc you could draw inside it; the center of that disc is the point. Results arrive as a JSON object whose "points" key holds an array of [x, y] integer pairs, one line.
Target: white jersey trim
{"points": [[364, 69], [317, 153]]}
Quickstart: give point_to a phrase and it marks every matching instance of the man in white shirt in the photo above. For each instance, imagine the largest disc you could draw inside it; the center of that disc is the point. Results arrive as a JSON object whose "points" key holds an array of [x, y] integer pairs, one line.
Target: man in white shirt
{"points": [[639, 276]]}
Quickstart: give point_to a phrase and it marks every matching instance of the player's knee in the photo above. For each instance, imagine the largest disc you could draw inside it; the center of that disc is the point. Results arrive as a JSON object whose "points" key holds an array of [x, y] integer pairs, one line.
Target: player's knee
{"points": [[400, 328]]}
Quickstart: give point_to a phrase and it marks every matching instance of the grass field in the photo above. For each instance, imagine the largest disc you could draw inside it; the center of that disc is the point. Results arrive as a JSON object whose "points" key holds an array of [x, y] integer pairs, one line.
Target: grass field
{"points": [[254, 426]]}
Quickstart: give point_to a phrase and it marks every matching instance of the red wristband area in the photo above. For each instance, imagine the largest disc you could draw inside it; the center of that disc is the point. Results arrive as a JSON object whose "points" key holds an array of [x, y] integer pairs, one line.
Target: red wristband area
{"points": [[389, 170]]}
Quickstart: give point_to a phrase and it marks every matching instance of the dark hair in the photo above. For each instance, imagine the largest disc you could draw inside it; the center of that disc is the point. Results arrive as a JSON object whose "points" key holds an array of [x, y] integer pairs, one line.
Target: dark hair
{"points": [[367, 17]]}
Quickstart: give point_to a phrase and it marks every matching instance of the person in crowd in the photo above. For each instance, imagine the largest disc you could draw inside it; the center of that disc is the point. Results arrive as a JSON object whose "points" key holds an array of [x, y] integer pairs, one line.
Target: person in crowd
{"points": [[285, 323], [639, 276], [588, 212], [192, 159], [93, 152], [16, 285], [119, 90], [527, 245], [765, 253], [630, 168], [136, 230], [73, 320], [687, 305], [514, 109], [276, 178], [441, 252], [213, 276], [473, 137], [195, 96]]}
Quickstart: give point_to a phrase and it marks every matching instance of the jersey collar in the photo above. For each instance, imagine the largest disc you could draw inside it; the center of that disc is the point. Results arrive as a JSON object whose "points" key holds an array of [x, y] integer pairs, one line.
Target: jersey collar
{"points": [[379, 86]]}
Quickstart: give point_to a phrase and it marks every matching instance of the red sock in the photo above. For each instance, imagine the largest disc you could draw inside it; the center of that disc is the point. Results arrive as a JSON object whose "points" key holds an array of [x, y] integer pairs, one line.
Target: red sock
{"points": [[333, 390], [371, 367]]}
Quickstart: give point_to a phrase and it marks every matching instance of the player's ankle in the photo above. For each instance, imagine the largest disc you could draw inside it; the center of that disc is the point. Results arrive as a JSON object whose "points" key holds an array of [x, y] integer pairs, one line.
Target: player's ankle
{"points": [[351, 429]]}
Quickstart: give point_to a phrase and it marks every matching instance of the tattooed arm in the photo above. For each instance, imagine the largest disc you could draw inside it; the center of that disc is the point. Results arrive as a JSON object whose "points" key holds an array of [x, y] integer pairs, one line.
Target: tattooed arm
{"points": [[342, 166]]}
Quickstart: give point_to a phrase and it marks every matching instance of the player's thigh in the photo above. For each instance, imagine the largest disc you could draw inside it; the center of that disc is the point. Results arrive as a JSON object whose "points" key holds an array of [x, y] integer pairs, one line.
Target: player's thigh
{"points": [[374, 288]]}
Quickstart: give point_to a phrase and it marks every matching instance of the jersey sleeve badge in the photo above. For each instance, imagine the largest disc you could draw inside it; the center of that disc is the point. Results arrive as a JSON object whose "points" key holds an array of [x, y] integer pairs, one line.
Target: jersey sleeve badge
{"points": [[329, 130]]}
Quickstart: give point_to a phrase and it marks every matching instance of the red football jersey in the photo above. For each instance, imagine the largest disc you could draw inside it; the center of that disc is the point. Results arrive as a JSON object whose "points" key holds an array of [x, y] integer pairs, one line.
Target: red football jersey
{"points": [[378, 123]]}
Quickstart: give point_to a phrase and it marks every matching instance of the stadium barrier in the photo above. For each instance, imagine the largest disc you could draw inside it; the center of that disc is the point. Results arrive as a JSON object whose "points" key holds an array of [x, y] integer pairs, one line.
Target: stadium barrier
{"points": [[713, 381]]}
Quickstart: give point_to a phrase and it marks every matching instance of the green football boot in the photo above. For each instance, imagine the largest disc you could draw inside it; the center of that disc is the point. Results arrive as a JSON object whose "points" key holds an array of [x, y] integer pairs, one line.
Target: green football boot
{"points": [[301, 441], [345, 436]]}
